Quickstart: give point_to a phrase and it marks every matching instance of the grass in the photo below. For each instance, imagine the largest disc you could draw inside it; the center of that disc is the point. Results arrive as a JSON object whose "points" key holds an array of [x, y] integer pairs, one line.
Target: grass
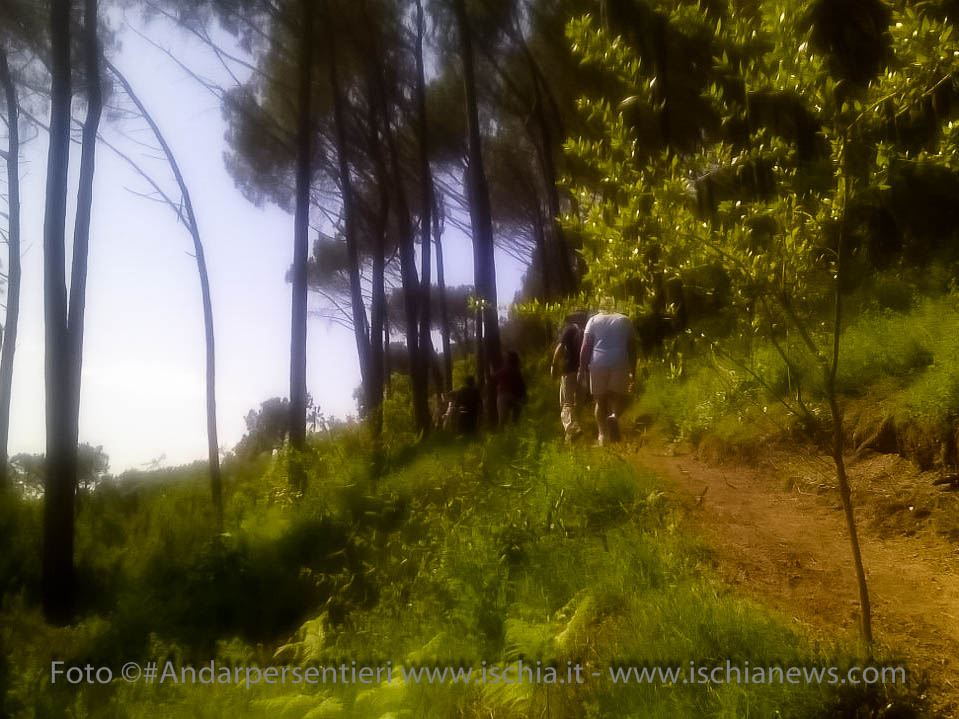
{"points": [[904, 363], [504, 549]]}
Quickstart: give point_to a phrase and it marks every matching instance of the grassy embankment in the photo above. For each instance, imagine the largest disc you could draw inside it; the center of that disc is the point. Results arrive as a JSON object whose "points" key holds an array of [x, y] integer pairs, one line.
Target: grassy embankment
{"points": [[898, 377], [511, 547]]}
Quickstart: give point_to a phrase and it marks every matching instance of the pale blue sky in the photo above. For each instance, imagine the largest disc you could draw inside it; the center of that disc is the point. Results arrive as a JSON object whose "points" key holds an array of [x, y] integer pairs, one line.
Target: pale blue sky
{"points": [[143, 391]]}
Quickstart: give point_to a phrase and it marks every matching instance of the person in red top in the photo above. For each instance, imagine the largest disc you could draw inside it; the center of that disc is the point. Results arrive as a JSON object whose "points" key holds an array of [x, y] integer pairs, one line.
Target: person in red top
{"points": [[510, 389]]}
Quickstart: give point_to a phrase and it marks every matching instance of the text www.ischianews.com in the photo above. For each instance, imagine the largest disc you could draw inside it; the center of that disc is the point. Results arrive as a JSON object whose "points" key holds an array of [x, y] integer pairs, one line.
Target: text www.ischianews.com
{"points": [[518, 672]]}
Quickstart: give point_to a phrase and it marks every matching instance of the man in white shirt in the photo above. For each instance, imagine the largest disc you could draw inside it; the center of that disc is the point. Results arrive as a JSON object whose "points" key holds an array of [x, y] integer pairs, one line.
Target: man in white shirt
{"points": [[608, 358]]}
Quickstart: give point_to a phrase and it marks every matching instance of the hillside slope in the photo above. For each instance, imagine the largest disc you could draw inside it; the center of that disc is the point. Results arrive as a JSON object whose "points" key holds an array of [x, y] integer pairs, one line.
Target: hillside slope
{"points": [[780, 538]]}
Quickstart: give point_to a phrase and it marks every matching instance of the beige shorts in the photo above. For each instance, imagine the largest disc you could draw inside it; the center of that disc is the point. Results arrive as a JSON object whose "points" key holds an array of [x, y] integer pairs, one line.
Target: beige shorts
{"points": [[608, 380]]}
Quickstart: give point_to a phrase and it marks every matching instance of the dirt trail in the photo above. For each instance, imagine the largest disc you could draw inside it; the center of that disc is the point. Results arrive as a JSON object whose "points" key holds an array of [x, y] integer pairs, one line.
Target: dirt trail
{"points": [[789, 549]]}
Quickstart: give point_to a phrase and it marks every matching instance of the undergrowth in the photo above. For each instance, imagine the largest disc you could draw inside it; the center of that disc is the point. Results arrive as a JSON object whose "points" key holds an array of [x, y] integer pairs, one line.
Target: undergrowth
{"points": [[497, 550], [904, 362]]}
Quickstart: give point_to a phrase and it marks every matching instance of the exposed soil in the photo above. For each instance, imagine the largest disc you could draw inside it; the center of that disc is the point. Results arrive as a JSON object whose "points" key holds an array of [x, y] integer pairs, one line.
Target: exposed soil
{"points": [[780, 537]]}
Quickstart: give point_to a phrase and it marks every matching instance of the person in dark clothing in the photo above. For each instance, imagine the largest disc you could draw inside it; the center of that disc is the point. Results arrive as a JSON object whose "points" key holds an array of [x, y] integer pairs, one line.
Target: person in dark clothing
{"points": [[468, 406], [566, 364], [510, 389]]}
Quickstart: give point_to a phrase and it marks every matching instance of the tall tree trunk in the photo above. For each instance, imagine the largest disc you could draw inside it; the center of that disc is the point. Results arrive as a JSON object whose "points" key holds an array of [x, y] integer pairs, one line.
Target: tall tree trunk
{"points": [[61, 476], [441, 289], [387, 362], [546, 99], [379, 330], [408, 274], [12, 319], [411, 293], [301, 229], [426, 196], [213, 447], [484, 262], [560, 253], [76, 309], [81, 232], [541, 138], [358, 307], [480, 351], [378, 316], [539, 233]]}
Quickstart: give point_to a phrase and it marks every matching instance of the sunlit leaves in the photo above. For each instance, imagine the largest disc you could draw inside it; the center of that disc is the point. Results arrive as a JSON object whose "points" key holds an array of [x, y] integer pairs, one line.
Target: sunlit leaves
{"points": [[764, 195]]}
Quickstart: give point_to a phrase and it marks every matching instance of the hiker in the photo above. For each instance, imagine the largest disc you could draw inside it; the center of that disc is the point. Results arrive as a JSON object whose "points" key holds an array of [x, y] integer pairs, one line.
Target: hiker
{"points": [[510, 390], [566, 357], [608, 359], [468, 406]]}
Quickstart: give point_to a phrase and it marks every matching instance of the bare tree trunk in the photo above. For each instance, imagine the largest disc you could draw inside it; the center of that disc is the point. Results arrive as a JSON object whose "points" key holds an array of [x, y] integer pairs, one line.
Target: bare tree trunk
{"points": [[61, 477], [567, 282], [480, 210], [426, 196], [387, 362], [379, 330], [541, 138], [441, 289], [481, 363], [301, 228], [408, 274], [539, 232], [411, 292], [13, 271], [76, 309], [81, 231], [213, 449], [358, 307], [377, 314], [435, 371]]}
